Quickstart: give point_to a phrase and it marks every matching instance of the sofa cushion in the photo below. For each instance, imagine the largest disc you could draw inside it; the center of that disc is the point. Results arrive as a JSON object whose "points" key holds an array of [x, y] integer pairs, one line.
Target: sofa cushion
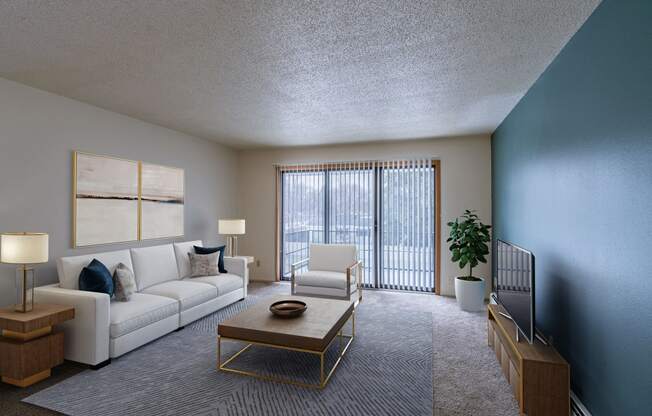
{"points": [[69, 268], [142, 310], [153, 265], [96, 278], [225, 283], [332, 257], [333, 280], [181, 251], [187, 293]]}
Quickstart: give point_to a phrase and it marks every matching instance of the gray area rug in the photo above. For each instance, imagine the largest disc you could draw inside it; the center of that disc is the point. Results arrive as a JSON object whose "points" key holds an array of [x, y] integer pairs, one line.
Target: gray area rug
{"points": [[466, 378], [387, 371]]}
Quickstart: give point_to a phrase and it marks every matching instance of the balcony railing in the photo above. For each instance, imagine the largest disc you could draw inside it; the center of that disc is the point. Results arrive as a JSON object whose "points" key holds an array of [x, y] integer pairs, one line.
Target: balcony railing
{"points": [[399, 261]]}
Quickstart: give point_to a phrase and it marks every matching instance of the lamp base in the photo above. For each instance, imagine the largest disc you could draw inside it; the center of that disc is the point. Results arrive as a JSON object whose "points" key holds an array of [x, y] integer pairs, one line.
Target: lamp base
{"points": [[232, 246], [24, 289]]}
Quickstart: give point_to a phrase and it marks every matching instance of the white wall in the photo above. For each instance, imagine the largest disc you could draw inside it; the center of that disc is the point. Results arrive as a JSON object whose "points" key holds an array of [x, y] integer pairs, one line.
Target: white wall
{"points": [[465, 182], [38, 133]]}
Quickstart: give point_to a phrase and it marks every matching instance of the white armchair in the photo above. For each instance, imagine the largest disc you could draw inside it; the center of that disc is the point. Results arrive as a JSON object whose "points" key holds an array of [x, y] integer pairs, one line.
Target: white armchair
{"points": [[333, 271]]}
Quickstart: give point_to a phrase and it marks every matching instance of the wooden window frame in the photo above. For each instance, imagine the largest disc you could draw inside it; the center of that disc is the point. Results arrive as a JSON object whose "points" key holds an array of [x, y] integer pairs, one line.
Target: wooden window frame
{"points": [[280, 169]]}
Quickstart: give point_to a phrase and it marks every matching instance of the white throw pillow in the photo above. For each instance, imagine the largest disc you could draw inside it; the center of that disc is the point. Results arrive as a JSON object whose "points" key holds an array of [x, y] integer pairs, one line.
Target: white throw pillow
{"points": [[124, 283]]}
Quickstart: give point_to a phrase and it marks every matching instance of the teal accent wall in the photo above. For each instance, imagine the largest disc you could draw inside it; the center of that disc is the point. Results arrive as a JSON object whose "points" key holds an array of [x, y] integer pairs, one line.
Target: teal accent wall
{"points": [[572, 181]]}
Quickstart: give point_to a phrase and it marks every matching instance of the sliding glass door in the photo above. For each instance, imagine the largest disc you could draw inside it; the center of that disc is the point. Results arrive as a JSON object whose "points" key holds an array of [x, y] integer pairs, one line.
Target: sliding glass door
{"points": [[387, 209]]}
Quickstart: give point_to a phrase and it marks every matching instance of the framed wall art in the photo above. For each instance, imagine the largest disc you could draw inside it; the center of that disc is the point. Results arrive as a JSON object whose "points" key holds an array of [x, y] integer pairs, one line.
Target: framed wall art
{"points": [[119, 200]]}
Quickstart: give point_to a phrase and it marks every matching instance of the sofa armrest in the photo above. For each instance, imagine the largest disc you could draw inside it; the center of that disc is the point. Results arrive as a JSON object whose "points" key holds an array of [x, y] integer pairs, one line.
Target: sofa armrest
{"points": [[87, 335], [238, 266]]}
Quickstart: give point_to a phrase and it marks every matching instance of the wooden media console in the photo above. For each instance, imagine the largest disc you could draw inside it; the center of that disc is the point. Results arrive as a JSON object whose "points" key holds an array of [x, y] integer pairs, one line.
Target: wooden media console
{"points": [[538, 374]]}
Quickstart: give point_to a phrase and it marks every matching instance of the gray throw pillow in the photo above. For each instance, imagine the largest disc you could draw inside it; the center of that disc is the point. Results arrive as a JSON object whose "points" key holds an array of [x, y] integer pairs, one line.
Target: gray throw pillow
{"points": [[123, 282], [204, 264]]}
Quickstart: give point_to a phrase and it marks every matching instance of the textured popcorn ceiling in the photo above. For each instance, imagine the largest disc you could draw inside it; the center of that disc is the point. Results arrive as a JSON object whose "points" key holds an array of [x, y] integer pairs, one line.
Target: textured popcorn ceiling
{"points": [[291, 72]]}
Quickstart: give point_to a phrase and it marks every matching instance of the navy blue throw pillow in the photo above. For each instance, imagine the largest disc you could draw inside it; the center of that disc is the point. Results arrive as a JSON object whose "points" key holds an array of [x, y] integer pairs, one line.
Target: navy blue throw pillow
{"points": [[96, 278], [211, 250]]}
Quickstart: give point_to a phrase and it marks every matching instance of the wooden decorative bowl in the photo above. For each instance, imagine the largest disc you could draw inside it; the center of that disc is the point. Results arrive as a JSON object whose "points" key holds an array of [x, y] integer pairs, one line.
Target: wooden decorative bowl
{"points": [[288, 308]]}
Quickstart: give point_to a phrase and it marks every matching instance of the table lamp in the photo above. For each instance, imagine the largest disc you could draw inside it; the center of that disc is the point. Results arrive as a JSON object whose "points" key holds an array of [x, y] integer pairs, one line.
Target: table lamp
{"points": [[231, 228], [24, 249]]}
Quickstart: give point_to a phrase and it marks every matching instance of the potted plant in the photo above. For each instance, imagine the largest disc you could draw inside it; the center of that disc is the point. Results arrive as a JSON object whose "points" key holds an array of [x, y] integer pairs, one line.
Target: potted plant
{"points": [[469, 239]]}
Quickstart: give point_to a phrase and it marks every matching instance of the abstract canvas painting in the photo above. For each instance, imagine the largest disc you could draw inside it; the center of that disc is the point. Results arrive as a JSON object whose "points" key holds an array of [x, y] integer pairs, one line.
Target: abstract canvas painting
{"points": [[106, 200], [162, 201]]}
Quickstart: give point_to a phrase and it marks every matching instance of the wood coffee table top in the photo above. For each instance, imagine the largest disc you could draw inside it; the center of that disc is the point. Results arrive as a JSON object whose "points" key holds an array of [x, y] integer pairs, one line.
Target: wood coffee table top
{"points": [[313, 330]]}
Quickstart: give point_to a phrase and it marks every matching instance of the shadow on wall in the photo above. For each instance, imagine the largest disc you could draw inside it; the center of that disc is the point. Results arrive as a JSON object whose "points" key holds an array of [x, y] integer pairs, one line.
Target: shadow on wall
{"points": [[557, 283]]}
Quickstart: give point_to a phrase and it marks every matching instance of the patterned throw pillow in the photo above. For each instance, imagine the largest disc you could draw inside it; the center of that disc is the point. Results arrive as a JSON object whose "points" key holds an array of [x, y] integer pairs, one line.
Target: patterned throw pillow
{"points": [[209, 250], [124, 283], [204, 264]]}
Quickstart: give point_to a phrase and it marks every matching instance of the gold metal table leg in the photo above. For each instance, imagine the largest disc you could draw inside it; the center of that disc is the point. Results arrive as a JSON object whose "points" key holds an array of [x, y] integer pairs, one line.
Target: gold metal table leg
{"points": [[219, 351], [321, 370]]}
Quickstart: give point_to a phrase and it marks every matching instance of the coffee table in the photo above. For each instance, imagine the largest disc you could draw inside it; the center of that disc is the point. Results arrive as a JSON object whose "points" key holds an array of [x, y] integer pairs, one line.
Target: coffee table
{"points": [[313, 332]]}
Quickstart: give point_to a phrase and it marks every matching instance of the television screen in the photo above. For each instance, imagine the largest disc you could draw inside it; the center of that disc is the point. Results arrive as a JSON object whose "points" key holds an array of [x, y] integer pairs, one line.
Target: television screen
{"points": [[514, 285]]}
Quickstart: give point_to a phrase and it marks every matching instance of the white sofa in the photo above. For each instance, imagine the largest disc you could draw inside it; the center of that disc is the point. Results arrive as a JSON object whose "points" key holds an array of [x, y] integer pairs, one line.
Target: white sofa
{"points": [[166, 299]]}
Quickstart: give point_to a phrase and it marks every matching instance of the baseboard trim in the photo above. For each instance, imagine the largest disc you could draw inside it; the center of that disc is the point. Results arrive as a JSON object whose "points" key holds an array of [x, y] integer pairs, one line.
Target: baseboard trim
{"points": [[577, 407]]}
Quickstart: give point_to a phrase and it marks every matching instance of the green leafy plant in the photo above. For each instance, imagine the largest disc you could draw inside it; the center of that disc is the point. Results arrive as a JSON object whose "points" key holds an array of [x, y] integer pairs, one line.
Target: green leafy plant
{"points": [[469, 239]]}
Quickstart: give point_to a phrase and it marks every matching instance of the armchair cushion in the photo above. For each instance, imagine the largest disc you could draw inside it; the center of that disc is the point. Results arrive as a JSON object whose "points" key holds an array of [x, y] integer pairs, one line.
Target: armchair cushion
{"points": [[317, 278], [332, 257]]}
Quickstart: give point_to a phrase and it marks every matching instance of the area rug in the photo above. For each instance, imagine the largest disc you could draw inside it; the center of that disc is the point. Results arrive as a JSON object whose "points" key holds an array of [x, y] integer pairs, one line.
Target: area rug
{"points": [[387, 371]]}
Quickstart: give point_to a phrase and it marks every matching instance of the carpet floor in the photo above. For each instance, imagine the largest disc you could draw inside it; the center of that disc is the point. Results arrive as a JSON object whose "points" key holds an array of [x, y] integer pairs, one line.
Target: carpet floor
{"points": [[463, 376]]}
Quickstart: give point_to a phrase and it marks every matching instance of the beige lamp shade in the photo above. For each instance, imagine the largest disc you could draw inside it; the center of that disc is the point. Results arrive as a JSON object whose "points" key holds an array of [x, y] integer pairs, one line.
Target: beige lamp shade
{"points": [[231, 227], [23, 248]]}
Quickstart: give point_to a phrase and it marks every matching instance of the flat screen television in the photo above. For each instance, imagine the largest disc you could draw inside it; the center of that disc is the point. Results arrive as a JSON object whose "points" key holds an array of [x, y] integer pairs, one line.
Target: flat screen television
{"points": [[514, 285]]}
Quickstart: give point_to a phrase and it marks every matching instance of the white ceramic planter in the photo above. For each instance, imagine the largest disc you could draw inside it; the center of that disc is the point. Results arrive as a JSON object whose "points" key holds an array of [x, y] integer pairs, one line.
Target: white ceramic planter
{"points": [[470, 294]]}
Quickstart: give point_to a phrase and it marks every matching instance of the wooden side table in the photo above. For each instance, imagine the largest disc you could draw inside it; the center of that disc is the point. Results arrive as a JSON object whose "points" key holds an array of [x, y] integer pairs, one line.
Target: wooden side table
{"points": [[29, 347]]}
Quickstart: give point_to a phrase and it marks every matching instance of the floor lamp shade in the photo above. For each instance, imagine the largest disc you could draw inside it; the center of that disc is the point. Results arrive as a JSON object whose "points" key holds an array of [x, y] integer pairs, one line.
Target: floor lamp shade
{"points": [[24, 249], [232, 228]]}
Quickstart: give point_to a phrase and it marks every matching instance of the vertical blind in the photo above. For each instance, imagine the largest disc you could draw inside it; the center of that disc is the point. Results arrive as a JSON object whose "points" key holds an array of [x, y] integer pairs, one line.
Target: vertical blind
{"points": [[407, 236], [387, 209], [303, 219]]}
